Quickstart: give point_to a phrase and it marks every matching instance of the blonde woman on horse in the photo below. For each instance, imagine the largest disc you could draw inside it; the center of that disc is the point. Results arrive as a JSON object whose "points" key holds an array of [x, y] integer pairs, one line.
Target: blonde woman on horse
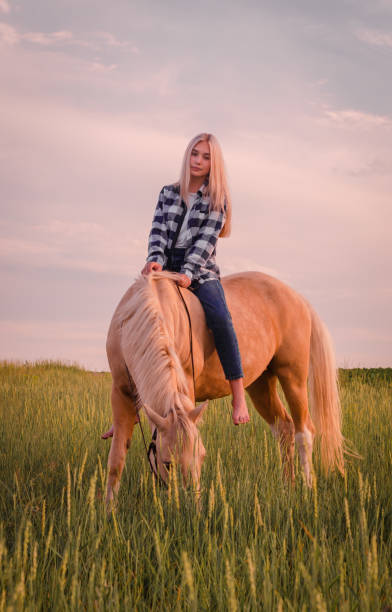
{"points": [[189, 217], [202, 194]]}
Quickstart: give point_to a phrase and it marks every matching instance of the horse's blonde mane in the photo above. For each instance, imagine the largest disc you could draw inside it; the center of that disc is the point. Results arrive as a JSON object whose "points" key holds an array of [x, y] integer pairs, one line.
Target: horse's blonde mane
{"points": [[149, 351]]}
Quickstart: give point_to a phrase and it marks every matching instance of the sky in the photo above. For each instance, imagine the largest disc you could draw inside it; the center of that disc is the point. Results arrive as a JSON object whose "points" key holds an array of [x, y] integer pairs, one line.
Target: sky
{"points": [[98, 101]]}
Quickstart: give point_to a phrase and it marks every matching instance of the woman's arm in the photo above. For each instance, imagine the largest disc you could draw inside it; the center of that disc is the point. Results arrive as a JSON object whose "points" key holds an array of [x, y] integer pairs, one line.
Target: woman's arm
{"points": [[204, 244], [157, 239]]}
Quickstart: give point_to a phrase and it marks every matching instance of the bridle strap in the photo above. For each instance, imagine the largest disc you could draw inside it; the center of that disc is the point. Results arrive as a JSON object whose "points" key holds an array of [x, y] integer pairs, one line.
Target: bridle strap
{"points": [[152, 449], [190, 338]]}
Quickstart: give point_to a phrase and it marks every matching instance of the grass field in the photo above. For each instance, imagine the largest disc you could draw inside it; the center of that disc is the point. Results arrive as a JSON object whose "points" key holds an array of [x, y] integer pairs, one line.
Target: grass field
{"points": [[255, 545]]}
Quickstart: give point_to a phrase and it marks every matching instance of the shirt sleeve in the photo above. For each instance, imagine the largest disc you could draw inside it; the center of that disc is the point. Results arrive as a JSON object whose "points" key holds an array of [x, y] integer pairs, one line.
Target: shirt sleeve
{"points": [[157, 239], [204, 244]]}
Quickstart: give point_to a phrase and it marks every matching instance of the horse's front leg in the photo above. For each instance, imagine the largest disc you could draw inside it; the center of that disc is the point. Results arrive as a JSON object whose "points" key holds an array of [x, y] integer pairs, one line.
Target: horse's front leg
{"points": [[124, 418]]}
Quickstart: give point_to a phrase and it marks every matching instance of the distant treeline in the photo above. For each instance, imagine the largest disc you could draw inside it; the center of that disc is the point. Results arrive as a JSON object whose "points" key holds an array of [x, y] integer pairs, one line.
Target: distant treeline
{"points": [[366, 375], [346, 375]]}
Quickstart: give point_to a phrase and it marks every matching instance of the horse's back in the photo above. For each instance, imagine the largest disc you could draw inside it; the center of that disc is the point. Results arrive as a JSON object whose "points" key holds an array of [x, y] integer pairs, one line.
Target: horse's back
{"points": [[259, 298], [260, 285]]}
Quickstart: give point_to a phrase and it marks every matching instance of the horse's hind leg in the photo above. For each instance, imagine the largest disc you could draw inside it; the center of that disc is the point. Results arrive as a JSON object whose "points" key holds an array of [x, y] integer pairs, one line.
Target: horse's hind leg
{"points": [[264, 395], [293, 381], [124, 417]]}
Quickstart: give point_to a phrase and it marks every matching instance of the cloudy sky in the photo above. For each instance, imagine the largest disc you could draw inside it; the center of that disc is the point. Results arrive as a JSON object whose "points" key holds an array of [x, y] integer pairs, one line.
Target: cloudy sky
{"points": [[98, 101]]}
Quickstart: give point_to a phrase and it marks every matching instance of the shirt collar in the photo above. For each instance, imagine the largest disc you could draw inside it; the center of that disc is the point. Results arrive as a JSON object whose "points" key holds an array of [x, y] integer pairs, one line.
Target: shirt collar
{"points": [[203, 187], [200, 192]]}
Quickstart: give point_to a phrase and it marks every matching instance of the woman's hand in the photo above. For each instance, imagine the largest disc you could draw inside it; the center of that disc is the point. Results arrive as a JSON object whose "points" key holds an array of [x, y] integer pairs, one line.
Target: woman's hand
{"points": [[184, 281], [151, 266]]}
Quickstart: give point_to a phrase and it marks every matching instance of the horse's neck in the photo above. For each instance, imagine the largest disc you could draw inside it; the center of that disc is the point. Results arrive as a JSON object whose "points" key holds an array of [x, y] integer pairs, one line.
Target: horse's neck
{"points": [[170, 381]]}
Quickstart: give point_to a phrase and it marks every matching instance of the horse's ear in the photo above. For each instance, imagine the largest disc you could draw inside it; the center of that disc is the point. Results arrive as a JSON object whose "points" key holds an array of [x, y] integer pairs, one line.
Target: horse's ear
{"points": [[196, 414], [170, 418], [159, 421]]}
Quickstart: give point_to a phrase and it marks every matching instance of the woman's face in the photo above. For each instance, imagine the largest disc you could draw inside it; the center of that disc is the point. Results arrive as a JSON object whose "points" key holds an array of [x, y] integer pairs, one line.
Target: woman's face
{"points": [[200, 161]]}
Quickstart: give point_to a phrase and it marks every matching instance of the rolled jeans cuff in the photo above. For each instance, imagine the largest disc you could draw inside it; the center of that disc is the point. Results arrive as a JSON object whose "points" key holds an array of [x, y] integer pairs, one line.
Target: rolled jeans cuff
{"points": [[234, 376]]}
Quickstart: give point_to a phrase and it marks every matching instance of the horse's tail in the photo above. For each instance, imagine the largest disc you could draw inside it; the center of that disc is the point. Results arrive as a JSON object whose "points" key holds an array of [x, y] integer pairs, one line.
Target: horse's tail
{"points": [[324, 395]]}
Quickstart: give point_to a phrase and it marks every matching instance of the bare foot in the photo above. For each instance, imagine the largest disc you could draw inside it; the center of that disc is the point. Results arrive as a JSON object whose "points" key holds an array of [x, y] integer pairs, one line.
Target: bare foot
{"points": [[240, 413], [108, 434]]}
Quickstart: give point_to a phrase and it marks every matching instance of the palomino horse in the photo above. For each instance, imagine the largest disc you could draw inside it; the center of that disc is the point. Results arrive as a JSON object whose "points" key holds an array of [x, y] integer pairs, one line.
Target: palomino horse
{"points": [[280, 338]]}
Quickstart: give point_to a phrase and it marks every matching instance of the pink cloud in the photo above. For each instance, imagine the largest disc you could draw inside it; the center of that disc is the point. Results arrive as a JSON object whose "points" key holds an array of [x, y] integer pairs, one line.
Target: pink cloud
{"points": [[5, 7], [375, 37], [99, 67], [8, 34], [47, 39], [112, 41], [358, 119]]}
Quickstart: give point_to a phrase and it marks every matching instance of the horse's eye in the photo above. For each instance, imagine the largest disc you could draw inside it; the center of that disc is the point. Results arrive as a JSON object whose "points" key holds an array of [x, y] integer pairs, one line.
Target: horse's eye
{"points": [[167, 464]]}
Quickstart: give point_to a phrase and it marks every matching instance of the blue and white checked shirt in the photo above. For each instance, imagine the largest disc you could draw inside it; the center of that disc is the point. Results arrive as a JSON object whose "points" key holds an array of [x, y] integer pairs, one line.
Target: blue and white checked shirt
{"points": [[203, 229]]}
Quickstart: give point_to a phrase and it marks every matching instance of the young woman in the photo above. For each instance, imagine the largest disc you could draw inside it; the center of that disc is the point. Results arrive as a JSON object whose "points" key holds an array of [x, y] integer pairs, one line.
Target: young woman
{"points": [[200, 204]]}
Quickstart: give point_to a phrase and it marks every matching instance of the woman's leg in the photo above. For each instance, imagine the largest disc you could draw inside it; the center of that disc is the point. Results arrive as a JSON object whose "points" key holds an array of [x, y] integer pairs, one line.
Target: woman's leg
{"points": [[212, 298]]}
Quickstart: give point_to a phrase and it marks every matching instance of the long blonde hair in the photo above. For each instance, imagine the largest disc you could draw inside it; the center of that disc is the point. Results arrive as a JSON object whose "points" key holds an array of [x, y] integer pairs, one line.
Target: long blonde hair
{"points": [[217, 189]]}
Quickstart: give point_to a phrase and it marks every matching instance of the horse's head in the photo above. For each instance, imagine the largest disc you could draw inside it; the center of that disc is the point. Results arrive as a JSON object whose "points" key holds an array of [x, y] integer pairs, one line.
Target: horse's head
{"points": [[178, 440]]}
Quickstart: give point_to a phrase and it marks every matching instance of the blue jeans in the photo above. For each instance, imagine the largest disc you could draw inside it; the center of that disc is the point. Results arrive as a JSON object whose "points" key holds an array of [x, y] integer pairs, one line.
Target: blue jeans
{"points": [[219, 321]]}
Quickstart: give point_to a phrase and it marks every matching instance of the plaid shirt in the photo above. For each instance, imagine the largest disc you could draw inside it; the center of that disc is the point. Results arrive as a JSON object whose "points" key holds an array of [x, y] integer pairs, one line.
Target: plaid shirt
{"points": [[203, 229]]}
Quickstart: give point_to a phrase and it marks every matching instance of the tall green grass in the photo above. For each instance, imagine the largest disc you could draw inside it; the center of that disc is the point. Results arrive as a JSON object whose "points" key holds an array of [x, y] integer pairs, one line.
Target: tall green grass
{"points": [[254, 544]]}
